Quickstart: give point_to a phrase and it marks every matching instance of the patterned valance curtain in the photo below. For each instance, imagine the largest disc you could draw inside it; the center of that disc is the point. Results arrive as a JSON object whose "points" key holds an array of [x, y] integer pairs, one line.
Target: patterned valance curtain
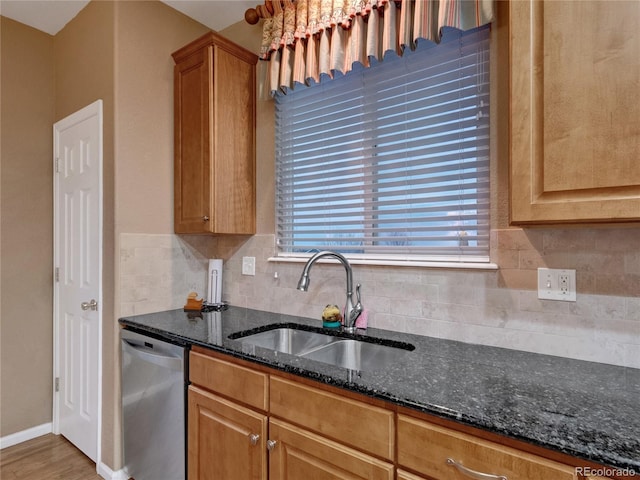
{"points": [[306, 39]]}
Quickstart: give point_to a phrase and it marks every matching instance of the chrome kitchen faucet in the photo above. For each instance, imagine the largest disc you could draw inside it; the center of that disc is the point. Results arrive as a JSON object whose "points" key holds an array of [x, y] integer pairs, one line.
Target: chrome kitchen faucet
{"points": [[351, 311]]}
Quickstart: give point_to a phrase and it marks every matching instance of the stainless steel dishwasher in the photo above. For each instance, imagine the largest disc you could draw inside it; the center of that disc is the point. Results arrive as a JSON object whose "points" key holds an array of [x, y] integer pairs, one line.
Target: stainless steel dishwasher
{"points": [[153, 408]]}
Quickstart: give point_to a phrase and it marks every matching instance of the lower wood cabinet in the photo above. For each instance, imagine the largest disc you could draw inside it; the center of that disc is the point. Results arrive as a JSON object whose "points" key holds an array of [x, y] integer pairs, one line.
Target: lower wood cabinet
{"points": [[296, 453], [408, 476], [444, 454], [350, 422], [248, 423], [225, 440], [229, 380]]}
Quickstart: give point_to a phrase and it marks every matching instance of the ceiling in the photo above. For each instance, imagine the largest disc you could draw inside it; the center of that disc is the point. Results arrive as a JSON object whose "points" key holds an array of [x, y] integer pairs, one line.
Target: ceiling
{"points": [[51, 16]]}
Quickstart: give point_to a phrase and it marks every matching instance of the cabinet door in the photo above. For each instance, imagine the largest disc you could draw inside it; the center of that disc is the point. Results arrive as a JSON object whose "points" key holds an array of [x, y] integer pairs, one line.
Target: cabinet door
{"points": [[192, 156], [298, 454], [221, 439], [234, 178], [575, 111]]}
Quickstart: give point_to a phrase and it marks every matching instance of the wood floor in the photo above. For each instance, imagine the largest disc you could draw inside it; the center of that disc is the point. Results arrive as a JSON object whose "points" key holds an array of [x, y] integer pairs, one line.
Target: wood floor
{"points": [[49, 457]]}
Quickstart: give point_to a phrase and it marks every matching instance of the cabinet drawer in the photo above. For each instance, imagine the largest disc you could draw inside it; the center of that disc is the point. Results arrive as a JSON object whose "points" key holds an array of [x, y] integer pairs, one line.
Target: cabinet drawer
{"points": [[353, 423], [408, 476], [425, 448], [233, 381], [299, 454]]}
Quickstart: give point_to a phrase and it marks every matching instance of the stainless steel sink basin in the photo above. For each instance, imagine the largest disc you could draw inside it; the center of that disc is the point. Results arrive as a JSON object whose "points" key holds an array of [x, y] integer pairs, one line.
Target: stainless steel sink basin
{"points": [[351, 353], [288, 340], [357, 355]]}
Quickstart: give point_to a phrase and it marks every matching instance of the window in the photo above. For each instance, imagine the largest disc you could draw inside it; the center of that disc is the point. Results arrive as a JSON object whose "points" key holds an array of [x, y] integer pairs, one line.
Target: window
{"points": [[390, 163]]}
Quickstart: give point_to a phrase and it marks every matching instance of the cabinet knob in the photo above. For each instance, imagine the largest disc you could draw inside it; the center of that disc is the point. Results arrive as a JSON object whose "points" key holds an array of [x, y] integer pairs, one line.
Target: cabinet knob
{"points": [[205, 218], [253, 438], [472, 473], [271, 444]]}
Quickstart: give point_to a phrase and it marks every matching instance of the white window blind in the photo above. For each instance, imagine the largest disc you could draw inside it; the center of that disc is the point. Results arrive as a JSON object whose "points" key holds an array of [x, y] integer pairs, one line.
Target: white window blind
{"points": [[392, 161]]}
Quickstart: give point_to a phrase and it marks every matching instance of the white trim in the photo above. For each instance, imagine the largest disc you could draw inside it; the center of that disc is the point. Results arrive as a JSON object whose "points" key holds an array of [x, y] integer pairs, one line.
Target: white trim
{"points": [[99, 105], [105, 472], [93, 109], [393, 263], [56, 256], [25, 435]]}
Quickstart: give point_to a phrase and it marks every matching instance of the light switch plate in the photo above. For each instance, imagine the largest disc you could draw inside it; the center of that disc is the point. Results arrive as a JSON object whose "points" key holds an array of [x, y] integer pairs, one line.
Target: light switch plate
{"points": [[557, 284], [248, 265]]}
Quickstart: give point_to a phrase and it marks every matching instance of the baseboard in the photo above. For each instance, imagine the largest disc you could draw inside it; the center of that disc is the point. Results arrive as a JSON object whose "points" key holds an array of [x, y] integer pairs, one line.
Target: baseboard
{"points": [[24, 435], [108, 474]]}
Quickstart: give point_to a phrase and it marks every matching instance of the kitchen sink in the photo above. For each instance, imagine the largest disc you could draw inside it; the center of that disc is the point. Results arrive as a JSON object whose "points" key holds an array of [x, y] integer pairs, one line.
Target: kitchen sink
{"points": [[357, 355], [288, 340], [345, 352]]}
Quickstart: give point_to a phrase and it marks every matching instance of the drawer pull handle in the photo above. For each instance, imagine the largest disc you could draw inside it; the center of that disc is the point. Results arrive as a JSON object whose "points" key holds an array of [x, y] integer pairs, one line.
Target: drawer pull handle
{"points": [[472, 473], [271, 444], [253, 438]]}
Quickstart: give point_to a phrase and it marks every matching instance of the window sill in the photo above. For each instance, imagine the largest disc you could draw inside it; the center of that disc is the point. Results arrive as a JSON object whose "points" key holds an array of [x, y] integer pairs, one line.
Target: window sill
{"points": [[488, 266]]}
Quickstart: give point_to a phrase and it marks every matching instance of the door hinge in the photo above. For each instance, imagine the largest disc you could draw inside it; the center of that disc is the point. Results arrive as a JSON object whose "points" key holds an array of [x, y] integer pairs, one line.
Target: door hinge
{"points": [[57, 274], [57, 384]]}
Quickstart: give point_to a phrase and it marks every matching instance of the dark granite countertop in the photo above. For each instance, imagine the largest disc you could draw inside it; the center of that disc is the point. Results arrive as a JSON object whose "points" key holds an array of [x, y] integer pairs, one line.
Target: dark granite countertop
{"points": [[584, 409]]}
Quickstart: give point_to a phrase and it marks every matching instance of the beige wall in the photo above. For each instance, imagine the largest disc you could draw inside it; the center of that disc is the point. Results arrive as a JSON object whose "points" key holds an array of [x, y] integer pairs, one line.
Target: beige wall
{"points": [[27, 110]]}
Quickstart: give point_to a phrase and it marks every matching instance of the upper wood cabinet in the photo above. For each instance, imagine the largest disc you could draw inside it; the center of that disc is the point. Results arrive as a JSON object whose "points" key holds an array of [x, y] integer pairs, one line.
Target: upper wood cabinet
{"points": [[214, 147], [575, 112]]}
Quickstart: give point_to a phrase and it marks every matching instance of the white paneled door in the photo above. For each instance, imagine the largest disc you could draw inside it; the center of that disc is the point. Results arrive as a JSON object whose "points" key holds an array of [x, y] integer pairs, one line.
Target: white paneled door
{"points": [[77, 264]]}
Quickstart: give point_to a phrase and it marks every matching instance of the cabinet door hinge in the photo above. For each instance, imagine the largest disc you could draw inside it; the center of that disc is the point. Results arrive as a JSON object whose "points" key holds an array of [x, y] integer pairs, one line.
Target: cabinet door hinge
{"points": [[57, 384], [57, 274]]}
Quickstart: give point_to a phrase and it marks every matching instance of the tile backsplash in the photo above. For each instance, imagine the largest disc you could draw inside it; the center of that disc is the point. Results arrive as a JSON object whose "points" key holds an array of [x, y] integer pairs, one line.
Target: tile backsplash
{"points": [[157, 272], [498, 308]]}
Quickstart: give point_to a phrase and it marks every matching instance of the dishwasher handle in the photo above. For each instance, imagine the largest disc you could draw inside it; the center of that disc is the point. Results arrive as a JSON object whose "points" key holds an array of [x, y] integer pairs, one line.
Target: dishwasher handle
{"points": [[165, 361]]}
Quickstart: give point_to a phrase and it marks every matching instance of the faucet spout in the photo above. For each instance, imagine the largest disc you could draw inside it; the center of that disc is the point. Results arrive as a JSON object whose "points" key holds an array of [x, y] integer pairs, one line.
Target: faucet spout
{"points": [[303, 283], [351, 311]]}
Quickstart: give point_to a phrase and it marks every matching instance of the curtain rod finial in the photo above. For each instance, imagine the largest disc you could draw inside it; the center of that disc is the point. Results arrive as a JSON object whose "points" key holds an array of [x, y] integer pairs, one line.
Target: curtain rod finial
{"points": [[251, 16]]}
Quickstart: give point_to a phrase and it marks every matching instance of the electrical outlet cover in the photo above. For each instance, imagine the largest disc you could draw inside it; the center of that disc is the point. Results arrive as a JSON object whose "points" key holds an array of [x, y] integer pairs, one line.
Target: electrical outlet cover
{"points": [[248, 265], [557, 284]]}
